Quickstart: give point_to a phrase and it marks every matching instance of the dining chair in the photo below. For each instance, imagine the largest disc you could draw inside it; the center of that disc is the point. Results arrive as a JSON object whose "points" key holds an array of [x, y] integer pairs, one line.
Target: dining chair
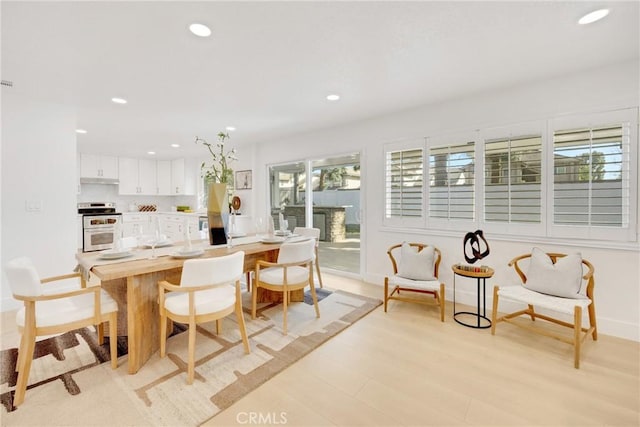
{"points": [[54, 311], [315, 233], [415, 269], [209, 290], [560, 284], [292, 271]]}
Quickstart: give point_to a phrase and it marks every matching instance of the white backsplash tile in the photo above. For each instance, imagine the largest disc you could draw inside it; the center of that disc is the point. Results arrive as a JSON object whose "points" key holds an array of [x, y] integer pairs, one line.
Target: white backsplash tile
{"points": [[109, 193]]}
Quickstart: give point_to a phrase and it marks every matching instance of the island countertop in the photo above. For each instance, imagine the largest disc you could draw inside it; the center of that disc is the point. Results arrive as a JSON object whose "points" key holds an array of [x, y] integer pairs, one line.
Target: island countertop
{"points": [[126, 267]]}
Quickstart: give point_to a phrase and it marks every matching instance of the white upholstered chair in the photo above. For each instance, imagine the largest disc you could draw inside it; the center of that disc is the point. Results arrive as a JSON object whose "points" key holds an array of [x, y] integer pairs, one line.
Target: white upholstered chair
{"points": [[52, 312], [209, 290], [292, 271], [559, 283], [315, 233], [415, 269]]}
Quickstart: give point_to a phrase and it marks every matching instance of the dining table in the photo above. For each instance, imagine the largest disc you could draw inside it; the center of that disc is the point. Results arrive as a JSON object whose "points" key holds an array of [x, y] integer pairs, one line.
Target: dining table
{"points": [[133, 282]]}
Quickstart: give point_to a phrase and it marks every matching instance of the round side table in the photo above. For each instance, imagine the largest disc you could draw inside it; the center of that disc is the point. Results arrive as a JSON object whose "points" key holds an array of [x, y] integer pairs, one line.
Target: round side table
{"points": [[480, 316]]}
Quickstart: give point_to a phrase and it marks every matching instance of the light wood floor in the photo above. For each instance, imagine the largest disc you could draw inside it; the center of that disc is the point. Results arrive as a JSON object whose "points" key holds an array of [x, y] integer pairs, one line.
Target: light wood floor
{"points": [[406, 368]]}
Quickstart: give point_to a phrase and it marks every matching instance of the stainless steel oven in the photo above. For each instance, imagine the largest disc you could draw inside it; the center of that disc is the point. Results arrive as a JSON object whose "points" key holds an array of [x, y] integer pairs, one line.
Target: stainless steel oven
{"points": [[99, 224]]}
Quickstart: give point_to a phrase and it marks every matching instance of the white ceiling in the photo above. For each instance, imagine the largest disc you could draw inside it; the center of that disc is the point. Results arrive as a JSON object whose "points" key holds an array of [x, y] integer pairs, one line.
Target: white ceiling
{"points": [[268, 66]]}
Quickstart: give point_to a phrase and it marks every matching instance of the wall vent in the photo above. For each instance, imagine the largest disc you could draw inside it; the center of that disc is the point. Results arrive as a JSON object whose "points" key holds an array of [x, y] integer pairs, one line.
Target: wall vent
{"points": [[7, 83]]}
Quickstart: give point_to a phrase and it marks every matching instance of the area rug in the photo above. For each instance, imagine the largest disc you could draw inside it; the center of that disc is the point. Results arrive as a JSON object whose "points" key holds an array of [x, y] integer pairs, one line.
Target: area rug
{"points": [[223, 372]]}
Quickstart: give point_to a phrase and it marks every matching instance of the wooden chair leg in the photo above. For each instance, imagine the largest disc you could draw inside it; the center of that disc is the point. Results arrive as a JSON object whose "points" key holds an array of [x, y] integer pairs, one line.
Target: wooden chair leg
{"points": [[113, 339], [241, 325], [315, 300], [318, 268], [218, 326], [441, 296], [386, 291], [192, 353], [285, 303], [100, 331], [494, 312], [25, 366], [163, 332], [577, 329], [592, 320], [21, 351], [254, 300], [531, 312]]}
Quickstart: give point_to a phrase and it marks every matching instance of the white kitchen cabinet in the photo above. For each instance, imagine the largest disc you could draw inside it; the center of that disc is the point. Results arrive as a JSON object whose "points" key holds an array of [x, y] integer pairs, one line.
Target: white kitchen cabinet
{"points": [[136, 224], [181, 180], [172, 225], [137, 176], [163, 175], [96, 166]]}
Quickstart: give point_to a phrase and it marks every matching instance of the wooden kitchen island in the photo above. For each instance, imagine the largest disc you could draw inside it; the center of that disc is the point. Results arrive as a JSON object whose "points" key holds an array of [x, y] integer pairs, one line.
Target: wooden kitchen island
{"points": [[134, 285]]}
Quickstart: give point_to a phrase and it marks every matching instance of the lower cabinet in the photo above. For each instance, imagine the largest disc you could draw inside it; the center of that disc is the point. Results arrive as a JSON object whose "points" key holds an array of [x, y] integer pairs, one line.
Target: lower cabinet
{"points": [[173, 226], [135, 224]]}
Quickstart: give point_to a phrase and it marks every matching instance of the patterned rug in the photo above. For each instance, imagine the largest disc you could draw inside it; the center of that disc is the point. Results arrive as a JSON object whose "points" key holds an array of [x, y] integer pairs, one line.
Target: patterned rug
{"points": [[223, 372]]}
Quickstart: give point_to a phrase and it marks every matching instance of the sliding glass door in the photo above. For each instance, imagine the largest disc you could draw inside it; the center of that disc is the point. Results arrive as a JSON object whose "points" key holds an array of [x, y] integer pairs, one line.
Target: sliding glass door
{"points": [[329, 201]]}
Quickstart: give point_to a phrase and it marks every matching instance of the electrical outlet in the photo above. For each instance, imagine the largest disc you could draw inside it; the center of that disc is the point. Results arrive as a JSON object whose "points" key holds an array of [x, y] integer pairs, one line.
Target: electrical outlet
{"points": [[33, 206]]}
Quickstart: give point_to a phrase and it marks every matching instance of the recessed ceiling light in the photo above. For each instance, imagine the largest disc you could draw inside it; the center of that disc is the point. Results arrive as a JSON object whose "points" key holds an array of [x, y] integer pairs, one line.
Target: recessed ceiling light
{"points": [[594, 16], [230, 128], [119, 100], [175, 145], [151, 152], [200, 30], [81, 131], [333, 97]]}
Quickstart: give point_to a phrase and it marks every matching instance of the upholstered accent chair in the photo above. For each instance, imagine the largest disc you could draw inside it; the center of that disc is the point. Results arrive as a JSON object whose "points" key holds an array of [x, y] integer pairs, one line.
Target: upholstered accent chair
{"points": [[314, 233], [209, 290], [51, 310], [292, 271], [560, 284], [415, 270]]}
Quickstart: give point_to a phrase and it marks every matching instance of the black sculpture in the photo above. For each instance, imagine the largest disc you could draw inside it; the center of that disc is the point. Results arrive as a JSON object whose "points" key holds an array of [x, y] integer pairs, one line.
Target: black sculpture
{"points": [[475, 239]]}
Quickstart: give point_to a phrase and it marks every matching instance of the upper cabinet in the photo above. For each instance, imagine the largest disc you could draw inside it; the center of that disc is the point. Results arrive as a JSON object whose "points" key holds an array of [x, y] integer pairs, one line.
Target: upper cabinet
{"points": [[137, 176], [181, 181], [163, 175], [98, 167]]}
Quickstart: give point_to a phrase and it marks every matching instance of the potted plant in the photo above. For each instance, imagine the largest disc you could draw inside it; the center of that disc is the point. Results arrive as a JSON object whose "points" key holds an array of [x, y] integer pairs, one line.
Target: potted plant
{"points": [[219, 178]]}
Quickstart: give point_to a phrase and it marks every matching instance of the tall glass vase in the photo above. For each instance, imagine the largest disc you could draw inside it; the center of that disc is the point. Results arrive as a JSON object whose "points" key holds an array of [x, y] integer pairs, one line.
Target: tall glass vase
{"points": [[218, 213]]}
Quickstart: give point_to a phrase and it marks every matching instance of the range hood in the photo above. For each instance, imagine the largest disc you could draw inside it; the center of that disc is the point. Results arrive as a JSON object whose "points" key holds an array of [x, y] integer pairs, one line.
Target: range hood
{"points": [[110, 181]]}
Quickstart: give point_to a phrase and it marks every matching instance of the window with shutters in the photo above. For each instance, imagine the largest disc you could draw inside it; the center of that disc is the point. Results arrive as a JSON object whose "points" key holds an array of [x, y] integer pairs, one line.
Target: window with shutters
{"points": [[404, 185], [589, 188], [452, 182], [513, 179]]}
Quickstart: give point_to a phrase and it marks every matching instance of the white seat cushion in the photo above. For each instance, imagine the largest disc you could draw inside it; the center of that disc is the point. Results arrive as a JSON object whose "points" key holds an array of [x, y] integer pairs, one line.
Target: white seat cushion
{"points": [[66, 310], [275, 275], [207, 301], [422, 285], [524, 295]]}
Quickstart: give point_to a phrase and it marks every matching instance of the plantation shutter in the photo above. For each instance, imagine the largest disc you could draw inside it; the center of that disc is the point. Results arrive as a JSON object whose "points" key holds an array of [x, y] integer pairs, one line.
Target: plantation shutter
{"points": [[591, 183], [512, 184], [404, 183], [452, 182]]}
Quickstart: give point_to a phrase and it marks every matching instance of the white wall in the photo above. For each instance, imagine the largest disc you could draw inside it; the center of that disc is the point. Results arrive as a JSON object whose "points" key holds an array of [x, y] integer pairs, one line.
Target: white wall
{"points": [[617, 293], [39, 168]]}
